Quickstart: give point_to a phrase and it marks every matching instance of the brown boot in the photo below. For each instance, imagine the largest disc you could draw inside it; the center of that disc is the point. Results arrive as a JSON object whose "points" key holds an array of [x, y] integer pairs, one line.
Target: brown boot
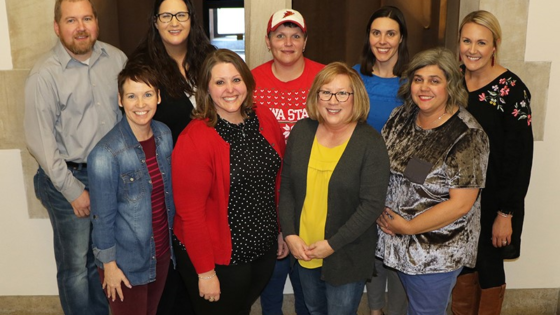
{"points": [[466, 295], [491, 300]]}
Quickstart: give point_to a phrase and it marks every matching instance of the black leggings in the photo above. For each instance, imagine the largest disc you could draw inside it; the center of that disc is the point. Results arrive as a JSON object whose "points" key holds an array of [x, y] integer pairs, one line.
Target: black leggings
{"points": [[240, 285]]}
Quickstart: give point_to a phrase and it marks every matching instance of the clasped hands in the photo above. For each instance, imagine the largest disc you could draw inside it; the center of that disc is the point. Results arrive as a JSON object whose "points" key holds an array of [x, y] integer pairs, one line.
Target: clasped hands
{"points": [[302, 251]]}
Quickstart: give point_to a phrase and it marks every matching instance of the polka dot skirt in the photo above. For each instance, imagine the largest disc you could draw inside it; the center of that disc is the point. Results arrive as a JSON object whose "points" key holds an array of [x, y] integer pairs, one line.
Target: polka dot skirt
{"points": [[252, 207]]}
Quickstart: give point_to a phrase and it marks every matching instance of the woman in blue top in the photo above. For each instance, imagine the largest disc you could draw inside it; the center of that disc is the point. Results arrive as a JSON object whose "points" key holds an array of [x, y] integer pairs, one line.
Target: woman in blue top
{"points": [[132, 207], [384, 58]]}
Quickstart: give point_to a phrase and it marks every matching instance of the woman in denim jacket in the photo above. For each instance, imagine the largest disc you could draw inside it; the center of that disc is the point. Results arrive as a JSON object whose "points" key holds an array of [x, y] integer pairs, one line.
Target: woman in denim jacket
{"points": [[132, 207]]}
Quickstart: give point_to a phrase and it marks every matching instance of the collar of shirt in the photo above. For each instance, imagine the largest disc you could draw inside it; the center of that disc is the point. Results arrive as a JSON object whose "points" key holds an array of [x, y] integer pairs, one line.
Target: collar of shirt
{"points": [[64, 57]]}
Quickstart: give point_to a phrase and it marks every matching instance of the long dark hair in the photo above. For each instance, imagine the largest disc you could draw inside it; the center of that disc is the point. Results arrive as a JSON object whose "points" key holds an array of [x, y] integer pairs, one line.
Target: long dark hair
{"points": [[153, 52], [368, 58]]}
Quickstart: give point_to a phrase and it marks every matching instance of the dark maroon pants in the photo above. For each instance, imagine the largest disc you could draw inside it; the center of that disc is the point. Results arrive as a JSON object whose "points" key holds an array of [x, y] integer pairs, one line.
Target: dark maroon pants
{"points": [[141, 299]]}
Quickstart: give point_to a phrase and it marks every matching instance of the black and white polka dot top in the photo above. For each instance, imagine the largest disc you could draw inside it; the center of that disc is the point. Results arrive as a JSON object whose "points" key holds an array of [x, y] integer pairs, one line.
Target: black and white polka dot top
{"points": [[254, 165]]}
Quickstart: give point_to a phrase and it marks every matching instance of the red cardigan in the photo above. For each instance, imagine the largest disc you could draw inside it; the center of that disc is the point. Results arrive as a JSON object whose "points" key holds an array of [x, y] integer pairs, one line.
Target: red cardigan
{"points": [[200, 166]]}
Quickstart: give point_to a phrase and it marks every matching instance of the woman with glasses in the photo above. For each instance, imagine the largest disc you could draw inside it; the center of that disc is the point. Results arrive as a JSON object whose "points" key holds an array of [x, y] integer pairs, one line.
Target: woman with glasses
{"points": [[333, 187], [176, 47], [384, 58], [282, 84]]}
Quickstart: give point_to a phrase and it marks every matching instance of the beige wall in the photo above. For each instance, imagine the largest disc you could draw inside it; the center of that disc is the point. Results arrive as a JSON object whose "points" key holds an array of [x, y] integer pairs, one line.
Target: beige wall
{"points": [[257, 14], [27, 263], [538, 265]]}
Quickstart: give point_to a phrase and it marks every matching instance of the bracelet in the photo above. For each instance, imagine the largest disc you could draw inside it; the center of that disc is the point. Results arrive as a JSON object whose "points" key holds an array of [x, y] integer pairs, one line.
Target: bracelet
{"points": [[505, 215], [207, 277]]}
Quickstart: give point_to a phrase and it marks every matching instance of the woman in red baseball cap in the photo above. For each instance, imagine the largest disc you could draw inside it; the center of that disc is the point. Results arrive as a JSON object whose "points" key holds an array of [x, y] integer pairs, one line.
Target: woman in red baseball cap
{"points": [[282, 85]]}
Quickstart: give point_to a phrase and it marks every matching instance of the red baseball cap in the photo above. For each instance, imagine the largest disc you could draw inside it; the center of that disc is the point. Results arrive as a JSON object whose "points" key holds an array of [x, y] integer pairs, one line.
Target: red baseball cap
{"points": [[284, 16]]}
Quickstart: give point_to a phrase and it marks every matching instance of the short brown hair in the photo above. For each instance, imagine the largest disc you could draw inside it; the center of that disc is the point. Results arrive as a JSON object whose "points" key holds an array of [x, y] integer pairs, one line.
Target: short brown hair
{"points": [[361, 100], [137, 72], [58, 10], [205, 108]]}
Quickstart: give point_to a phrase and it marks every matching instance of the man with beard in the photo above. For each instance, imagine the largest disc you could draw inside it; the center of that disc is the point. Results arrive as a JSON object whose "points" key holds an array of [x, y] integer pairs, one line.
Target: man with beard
{"points": [[70, 104]]}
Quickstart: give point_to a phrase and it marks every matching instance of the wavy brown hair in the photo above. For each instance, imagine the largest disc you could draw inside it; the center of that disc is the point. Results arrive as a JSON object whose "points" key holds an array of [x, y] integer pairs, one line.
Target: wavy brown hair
{"points": [[444, 59], [205, 108]]}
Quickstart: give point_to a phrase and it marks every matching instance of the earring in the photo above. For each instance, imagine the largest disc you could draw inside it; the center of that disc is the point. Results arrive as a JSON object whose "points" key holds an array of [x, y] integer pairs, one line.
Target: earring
{"points": [[460, 60], [268, 49], [303, 50], [492, 60]]}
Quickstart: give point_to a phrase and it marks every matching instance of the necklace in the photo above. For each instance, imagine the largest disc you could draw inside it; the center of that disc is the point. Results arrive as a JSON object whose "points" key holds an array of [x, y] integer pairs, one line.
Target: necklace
{"points": [[437, 119]]}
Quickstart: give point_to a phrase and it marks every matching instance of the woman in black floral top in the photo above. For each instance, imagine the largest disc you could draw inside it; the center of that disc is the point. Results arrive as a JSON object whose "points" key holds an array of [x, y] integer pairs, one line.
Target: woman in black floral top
{"points": [[500, 102]]}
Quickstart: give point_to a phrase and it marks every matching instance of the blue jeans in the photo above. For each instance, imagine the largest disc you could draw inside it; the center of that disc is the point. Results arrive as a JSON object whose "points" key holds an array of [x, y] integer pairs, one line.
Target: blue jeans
{"points": [[322, 298], [273, 295], [429, 294], [79, 286]]}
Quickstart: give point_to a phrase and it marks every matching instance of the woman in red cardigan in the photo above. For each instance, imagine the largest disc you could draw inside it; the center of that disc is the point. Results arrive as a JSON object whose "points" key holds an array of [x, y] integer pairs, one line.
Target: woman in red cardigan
{"points": [[226, 167]]}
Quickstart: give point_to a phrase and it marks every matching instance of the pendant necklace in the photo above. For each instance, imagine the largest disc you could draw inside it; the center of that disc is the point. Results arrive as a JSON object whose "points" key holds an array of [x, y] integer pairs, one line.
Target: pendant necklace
{"points": [[419, 125]]}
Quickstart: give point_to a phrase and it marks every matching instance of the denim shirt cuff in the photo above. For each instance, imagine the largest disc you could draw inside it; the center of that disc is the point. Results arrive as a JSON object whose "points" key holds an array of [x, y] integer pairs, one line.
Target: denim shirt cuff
{"points": [[105, 255]]}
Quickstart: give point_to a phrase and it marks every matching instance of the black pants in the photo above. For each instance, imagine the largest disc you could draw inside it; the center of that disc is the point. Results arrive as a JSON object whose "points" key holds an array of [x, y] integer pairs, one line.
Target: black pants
{"points": [[240, 285], [174, 299]]}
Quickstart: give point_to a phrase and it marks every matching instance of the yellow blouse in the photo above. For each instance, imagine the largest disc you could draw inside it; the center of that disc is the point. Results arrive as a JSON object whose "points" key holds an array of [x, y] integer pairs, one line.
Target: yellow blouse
{"points": [[313, 219]]}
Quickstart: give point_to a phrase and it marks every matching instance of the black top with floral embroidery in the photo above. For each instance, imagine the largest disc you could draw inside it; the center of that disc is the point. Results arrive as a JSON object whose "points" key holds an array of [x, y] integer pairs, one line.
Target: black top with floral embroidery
{"points": [[503, 110]]}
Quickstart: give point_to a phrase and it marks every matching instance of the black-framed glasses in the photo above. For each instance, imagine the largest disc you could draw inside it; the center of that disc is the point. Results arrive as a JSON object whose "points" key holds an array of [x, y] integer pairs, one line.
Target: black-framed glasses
{"points": [[166, 17], [341, 96]]}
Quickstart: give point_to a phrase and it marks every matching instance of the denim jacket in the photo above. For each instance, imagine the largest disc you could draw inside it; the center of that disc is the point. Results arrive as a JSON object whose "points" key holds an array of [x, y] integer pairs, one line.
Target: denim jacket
{"points": [[120, 197]]}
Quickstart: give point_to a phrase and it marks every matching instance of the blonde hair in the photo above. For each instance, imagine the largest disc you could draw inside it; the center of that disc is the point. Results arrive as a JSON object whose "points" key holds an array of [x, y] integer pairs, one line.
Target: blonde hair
{"points": [[488, 20], [361, 101]]}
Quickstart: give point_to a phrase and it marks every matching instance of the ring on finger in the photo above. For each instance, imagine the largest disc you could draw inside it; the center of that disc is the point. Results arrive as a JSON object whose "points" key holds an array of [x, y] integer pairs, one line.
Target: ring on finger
{"points": [[211, 299]]}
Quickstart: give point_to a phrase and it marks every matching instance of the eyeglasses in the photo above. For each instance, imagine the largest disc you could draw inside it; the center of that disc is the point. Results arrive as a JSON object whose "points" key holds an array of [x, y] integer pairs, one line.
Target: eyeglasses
{"points": [[166, 17], [341, 96]]}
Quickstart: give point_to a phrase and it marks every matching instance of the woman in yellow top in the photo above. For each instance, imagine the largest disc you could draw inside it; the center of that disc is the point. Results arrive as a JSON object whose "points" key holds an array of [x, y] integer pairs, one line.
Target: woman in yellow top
{"points": [[334, 181]]}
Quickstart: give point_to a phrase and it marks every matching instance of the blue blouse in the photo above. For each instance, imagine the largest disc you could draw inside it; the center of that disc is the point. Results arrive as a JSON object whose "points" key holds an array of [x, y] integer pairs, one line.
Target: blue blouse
{"points": [[383, 98]]}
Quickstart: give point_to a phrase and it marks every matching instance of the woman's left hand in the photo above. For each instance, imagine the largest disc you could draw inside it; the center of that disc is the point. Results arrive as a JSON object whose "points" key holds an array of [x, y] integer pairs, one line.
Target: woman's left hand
{"points": [[392, 223], [501, 231], [319, 250]]}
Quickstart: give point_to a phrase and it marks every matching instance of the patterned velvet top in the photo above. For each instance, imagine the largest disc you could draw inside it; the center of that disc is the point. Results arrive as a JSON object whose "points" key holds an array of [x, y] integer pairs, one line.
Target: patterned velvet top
{"points": [[425, 165]]}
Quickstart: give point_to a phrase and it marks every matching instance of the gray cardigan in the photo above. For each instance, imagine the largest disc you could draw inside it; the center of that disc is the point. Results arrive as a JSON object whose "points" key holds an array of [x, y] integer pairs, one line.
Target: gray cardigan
{"points": [[357, 190]]}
